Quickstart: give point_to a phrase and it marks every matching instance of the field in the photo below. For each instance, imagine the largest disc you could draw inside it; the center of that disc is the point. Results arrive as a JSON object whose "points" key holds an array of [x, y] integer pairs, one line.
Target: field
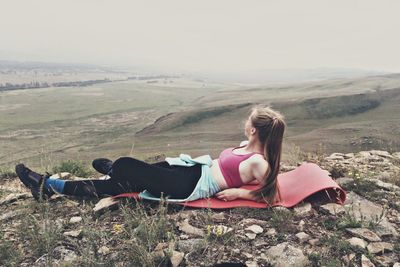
{"points": [[168, 116]]}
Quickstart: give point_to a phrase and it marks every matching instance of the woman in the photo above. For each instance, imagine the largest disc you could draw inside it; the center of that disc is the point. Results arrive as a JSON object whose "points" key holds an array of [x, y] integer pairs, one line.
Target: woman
{"points": [[184, 178]]}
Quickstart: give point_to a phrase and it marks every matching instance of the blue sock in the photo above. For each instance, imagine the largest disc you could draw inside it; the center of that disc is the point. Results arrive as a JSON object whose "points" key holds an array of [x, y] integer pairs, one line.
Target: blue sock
{"points": [[56, 185]]}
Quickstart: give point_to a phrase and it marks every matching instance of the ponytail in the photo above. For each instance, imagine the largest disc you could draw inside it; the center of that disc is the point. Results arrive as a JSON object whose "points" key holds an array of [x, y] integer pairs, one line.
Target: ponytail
{"points": [[270, 132]]}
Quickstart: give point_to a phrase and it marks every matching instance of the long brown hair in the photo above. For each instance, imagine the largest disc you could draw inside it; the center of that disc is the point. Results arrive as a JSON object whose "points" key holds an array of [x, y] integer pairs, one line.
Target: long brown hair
{"points": [[270, 126]]}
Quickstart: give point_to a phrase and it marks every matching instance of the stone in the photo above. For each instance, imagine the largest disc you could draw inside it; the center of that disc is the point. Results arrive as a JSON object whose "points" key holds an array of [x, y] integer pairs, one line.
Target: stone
{"points": [[251, 264], [364, 233], [194, 244], [107, 203], [384, 260], [62, 175], [344, 180], [301, 225], [251, 236], [381, 153], [11, 214], [250, 221], [379, 247], [104, 250], [365, 262], [10, 198], [314, 242], [271, 232], [335, 156], [185, 227], [218, 217], [255, 229], [362, 208], [333, 208], [357, 242], [176, 258], [302, 237], [302, 209], [74, 233], [386, 186], [397, 264], [75, 219], [284, 254]]}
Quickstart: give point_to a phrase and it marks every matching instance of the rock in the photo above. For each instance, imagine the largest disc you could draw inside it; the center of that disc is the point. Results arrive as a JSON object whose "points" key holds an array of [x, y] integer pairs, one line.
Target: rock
{"points": [[397, 264], [314, 242], [255, 229], [251, 236], [176, 258], [251, 264], [105, 204], [64, 254], [333, 208], [250, 221], [62, 175], [364, 233], [13, 198], [284, 254], [190, 245], [365, 262], [260, 243], [344, 180], [302, 237], [302, 209], [301, 225], [335, 156], [11, 214], [75, 219], [384, 260], [379, 247], [75, 233], [185, 227], [104, 250], [362, 208], [271, 232], [381, 153], [386, 186], [218, 217], [357, 242]]}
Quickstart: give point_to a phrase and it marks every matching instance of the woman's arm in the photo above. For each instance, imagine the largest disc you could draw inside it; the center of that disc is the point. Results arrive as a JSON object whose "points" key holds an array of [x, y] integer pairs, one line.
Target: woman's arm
{"points": [[234, 193]]}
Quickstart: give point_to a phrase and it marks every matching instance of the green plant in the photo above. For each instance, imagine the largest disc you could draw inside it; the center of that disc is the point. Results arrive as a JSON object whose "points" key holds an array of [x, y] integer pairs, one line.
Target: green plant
{"points": [[74, 167], [6, 173], [280, 220], [41, 232], [144, 230], [10, 255]]}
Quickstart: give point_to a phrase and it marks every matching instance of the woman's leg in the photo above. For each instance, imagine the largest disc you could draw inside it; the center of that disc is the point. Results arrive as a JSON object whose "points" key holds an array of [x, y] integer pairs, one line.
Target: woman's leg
{"points": [[173, 181], [132, 175]]}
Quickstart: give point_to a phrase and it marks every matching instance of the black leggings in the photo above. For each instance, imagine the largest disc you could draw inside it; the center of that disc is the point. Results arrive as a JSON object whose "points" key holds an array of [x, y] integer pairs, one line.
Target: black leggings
{"points": [[132, 175]]}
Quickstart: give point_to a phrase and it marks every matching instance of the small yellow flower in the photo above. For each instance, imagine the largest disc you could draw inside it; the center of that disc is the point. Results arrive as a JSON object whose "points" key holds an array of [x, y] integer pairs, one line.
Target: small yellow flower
{"points": [[118, 228]]}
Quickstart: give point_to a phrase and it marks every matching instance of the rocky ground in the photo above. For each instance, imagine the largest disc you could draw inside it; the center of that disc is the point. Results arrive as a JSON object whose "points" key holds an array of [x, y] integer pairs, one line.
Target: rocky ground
{"points": [[74, 232]]}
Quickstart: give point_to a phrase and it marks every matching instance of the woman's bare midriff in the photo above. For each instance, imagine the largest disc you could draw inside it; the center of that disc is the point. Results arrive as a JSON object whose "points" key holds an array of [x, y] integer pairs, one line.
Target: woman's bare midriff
{"points": [[217, 174]]}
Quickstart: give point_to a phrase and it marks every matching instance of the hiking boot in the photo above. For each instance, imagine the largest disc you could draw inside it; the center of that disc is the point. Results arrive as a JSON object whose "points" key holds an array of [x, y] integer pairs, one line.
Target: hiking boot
{"points": [[34, 181], [102, 165]]}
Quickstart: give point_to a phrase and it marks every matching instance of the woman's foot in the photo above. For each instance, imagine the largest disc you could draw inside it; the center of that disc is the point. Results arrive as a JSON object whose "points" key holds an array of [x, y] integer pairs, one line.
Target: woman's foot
{"points": [[34, 181], [102, 165]]}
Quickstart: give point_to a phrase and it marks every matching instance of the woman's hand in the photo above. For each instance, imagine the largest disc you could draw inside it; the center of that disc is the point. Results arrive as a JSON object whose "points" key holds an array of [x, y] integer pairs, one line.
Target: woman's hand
{"points": [[228, 194]]}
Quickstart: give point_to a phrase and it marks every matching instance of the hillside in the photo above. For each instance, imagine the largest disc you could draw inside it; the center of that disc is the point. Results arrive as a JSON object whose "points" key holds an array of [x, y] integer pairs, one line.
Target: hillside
{"points": [[173, 115], [70, 232]]}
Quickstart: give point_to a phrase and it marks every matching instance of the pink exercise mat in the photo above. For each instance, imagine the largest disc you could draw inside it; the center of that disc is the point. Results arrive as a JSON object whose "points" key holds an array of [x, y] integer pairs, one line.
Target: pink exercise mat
{"points": [[295, 186]]}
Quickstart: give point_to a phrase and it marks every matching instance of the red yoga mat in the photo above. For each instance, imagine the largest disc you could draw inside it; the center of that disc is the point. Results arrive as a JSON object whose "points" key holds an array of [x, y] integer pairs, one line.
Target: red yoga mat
{"points": [[295, 186]]}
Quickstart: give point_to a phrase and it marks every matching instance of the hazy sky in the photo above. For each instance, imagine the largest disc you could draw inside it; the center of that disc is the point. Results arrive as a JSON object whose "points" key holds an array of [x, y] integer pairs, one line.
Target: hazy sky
{"points": [[200, 35]]}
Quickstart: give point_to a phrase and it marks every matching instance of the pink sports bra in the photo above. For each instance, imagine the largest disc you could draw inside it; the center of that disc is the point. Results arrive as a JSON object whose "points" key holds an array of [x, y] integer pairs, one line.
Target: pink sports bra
{"points": [[229, 165]]}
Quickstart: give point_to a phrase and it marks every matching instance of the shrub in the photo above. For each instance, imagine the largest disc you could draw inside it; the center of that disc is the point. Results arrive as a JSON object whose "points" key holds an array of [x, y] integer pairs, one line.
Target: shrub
{"points": [[77, 168]]}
